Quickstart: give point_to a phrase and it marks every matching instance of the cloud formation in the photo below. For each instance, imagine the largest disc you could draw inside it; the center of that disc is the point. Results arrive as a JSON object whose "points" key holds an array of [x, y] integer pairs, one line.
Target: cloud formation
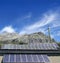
{"points": [[54, 25], [27, 16], [8, 29], [38, 25], [24, 17]]}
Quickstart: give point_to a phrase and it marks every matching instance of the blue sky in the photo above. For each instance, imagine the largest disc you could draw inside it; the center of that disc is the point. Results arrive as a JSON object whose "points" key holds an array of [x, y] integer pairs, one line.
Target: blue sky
{"points": [[30, 16]]}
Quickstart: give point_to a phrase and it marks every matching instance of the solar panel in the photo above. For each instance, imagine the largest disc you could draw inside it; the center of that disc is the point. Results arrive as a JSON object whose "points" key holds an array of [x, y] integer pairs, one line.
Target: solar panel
{"points": [[40, 58], [34, 58], [42, 46], [51, 47], [29, 58], [5, 58], [45, 47], [46, 58], [20, 58], [23, 57], [12, 58], [56, 45], [38, 46], [48, 46]]}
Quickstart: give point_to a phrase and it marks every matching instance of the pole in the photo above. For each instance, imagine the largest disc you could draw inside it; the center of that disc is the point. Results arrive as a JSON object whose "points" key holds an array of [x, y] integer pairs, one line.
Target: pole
{"points": [[49, 35]]}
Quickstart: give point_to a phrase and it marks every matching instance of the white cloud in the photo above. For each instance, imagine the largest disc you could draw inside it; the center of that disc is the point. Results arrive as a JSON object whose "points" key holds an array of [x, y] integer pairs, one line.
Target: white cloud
{"points": [[27, 16], [31, 31], [54, 25], [46, 19], [55, 34], [8, 29]]}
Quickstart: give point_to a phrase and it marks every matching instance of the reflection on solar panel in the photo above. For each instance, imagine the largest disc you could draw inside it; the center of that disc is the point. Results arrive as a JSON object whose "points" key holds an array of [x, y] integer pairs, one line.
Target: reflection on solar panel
{"points": [[17, 58], [40, 46]]}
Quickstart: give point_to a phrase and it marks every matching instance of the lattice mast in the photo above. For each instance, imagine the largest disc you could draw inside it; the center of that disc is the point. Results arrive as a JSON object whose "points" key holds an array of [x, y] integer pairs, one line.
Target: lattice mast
{"points": [[49, 34]]}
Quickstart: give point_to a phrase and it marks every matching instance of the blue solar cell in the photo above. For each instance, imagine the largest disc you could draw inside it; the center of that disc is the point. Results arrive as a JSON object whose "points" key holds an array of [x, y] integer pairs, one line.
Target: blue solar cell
{"points": [[39, 46], [29, 58], [40, 58], [23, 58], [53, 46], [18, 59], [45, 46], [12, 58], [49, 46], [34, 58], [6, 58], [46, 58], [31, 46], [56, 45]]}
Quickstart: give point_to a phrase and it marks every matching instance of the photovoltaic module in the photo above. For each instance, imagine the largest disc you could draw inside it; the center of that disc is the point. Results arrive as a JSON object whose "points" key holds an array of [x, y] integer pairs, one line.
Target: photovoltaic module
{"points": [[35, 46], [25, 58]]}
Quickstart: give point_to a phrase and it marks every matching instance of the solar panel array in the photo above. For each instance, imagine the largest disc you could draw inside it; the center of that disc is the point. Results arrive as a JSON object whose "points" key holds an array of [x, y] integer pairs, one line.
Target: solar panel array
{"points": [[39, 46], [20, 58]]}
